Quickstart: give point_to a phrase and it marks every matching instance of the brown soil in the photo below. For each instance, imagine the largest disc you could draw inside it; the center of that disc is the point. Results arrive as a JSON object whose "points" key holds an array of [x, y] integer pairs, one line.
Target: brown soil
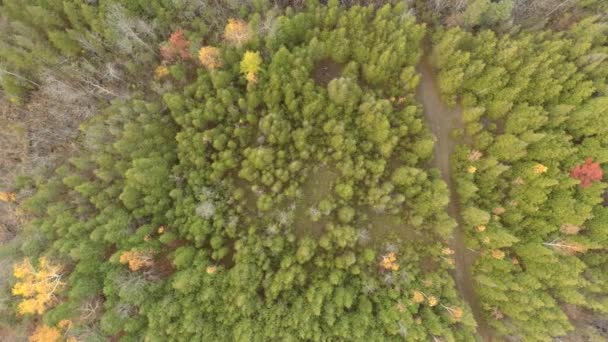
{"points": [[163, 267], [326, 70], [430, 265], [228, 260], [177, 243], [117, 337]]}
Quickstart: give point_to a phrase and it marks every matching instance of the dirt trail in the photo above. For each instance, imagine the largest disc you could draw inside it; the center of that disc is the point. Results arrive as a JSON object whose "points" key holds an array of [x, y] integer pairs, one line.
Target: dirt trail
{"points": [[442, 121]]}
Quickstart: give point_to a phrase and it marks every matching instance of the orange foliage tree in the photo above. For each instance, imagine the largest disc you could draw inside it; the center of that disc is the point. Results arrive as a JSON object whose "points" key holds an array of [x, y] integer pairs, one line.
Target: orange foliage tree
{"points": [[209, 57], [176, 47], [136, 260], [38, 287], [587, 173], [7, 196], [44, 333]]}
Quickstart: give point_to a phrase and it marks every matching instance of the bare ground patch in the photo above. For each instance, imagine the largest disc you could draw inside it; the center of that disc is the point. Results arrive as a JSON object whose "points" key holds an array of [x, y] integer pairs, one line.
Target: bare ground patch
{"points": [[385, 228], [326, 70]]}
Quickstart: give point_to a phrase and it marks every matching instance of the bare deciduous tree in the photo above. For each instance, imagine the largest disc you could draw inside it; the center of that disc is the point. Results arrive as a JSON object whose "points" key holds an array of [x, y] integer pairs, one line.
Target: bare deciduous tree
{"points": [[90, 309], [528, 9], [130, 32]]}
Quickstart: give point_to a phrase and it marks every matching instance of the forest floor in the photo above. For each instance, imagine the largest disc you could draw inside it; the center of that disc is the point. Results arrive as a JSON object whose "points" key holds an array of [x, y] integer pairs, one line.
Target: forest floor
{"points": [[318, 185], [443, 121]]}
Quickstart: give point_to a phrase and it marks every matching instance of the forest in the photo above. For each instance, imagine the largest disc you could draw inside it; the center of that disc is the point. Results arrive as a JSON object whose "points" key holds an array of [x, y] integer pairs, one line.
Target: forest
{"points": [[191, 170]]}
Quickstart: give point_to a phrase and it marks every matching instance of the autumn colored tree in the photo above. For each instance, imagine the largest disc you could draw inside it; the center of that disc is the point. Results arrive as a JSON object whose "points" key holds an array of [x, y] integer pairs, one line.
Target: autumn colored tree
{"points": [[389, 262], [44, 333], [210, 58], [587, 173], [455, 312], [161, 71], [497, 254], [418, 297], [136, 260], [237, 32], [227, 171], [7, 196], [536, 234], [539, 169], [250, 65], [176, 47], [38, 286]]}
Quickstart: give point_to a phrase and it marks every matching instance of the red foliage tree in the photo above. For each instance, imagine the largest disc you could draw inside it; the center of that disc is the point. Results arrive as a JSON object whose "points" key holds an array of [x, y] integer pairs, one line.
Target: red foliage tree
{"points": [[587, 173], [176, 47]]}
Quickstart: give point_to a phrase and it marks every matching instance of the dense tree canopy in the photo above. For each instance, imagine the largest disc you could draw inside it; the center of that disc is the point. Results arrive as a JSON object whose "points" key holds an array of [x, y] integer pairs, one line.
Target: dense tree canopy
{"points": [[528, 104], [251, 171], [279, 193]]}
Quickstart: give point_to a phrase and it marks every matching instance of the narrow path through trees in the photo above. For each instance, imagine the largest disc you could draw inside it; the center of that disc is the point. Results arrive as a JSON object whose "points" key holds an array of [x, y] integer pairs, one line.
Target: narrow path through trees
{"points": [[442, 121]]}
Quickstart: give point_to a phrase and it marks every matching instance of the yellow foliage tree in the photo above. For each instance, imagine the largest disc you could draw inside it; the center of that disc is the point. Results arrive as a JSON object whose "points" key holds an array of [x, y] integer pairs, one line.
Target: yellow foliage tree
{"points": [[64, 324], [389, 262], [539, 168], [45, 333], [498, 254], [136, 260], [250, 65], [38, 287], [211, 269], [432, 300], [418, 297], [455, 312], [161, 71], [209, 57], [237, 32]]}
